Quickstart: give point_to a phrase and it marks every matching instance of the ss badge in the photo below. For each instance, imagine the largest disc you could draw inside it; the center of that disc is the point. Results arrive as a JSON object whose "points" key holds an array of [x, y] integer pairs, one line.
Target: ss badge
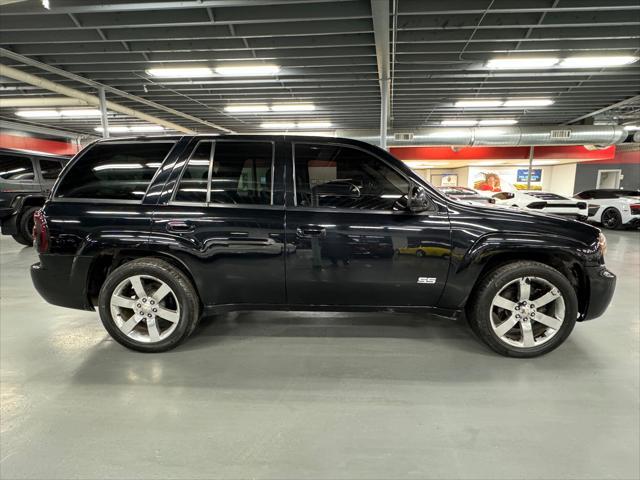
{"points": [[429, 280]]}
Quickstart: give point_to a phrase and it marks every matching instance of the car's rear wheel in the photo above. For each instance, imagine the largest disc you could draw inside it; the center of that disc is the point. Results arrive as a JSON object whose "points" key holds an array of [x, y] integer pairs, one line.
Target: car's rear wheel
{"points": [[611, 218], [148, 305], [24, 225], [523, 309]]}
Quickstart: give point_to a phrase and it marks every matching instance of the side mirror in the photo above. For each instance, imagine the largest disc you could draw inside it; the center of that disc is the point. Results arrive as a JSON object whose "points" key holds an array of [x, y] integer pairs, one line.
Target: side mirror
{"points": [[418, 199]]}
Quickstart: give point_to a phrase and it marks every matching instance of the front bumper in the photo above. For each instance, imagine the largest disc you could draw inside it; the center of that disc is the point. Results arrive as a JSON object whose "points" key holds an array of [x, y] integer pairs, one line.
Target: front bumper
{"points": [[602, 284]]}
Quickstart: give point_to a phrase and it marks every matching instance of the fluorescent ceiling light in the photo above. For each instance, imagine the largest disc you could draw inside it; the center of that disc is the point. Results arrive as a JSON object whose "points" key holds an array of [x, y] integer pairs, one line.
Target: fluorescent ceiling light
{"points": [[180, 72], [497, 121], [114, 129], [314, 125], [533, 102], [246, 108], [277, 125], [597, 62], [458, 123], [38, 113], [76, 112], [521, 63], [248, 70], [478, 103], [293, 107], [630, 128], [146, 128]]}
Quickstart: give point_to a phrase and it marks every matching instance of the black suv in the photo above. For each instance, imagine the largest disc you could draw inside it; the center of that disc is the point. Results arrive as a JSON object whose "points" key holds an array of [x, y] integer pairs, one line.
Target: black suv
{"points": [[156, 232], [26, 179]]}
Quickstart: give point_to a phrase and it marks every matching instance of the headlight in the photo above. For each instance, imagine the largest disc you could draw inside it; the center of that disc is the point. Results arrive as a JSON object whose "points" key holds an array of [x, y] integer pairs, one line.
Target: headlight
{"points": [[602, 243]]}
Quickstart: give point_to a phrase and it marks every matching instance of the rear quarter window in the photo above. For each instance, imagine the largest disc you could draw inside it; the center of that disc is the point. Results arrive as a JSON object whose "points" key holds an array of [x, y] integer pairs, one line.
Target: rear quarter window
{"points": [[115, 171]]}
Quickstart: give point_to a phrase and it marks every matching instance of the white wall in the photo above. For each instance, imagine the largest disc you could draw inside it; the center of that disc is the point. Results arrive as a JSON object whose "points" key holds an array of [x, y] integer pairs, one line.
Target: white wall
{"points": [[563, 178]]}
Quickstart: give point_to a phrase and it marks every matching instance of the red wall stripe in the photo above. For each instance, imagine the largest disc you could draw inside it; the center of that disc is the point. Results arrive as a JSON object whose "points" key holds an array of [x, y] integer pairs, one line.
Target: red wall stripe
{"points": [[33, 144], [577, 152]]}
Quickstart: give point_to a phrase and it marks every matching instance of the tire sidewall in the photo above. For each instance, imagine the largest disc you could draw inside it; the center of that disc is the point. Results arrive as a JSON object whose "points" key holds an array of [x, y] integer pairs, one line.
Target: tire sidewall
{"points": [[26, 219], [502, 277], [618, 217], [187, 308]]}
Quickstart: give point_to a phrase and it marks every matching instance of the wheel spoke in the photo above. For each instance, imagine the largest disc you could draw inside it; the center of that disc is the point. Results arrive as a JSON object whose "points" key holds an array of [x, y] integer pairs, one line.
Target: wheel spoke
{"points": [[500, 301], [527, 335], [123, 302], [130, 324], [505, 326], [548, 321], [161, 292], [525, 289], [170, 315], [546, 298], [154, 331], [136, 283]]}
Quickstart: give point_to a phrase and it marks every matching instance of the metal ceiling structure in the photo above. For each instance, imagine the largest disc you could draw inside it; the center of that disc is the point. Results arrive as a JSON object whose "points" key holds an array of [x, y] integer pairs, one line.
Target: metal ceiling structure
{"points": [[327, 54]]}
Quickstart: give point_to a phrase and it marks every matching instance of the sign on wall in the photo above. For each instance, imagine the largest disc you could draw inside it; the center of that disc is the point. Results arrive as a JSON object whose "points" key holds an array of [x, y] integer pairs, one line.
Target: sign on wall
{"points": [[523, 175]]}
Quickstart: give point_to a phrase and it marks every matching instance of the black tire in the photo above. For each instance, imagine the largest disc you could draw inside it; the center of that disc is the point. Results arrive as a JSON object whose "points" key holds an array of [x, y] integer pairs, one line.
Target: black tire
{"points": [[478, 309], [611, 218], [182, 287], [25, 227], [420, 253]]}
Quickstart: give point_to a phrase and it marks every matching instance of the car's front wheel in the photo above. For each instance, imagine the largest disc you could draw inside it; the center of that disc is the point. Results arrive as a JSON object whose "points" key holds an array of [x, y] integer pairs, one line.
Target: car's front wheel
{"points": [[523, 309], [148, 305]]}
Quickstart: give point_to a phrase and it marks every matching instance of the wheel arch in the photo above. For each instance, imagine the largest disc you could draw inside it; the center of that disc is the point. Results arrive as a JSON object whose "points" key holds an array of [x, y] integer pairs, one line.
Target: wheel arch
{"points": [[104, 263]]}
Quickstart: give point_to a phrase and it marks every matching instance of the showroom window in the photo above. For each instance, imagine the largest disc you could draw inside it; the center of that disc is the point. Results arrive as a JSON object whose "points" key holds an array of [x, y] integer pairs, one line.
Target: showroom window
{"points": [[114, 171], [50, 169], [338, 176], [240, 174], [15, 168]]}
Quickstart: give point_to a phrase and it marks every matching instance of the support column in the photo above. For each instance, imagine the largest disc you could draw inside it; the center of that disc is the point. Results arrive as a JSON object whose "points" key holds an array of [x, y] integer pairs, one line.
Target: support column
{"points": [[531, 151], [103, 113]]}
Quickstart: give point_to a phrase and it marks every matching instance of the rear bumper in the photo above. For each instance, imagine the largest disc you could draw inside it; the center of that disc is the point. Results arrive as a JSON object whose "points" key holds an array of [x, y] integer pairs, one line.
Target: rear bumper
{"points": [[62, 280], [602, 285]]}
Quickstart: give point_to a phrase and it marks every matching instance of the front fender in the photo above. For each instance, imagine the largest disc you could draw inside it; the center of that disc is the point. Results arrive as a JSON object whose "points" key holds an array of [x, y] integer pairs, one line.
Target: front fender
{"points": [[467, 266]]}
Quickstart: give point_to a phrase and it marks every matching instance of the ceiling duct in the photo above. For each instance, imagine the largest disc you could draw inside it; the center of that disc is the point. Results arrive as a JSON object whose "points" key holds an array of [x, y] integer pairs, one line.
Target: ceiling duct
{"points": [[501, 136]]}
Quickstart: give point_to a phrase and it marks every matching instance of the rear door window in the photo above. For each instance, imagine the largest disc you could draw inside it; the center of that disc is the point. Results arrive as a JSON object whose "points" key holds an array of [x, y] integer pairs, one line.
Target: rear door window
{"points": [[50, 169], [16, 168], [115, 171], [240, 174]]}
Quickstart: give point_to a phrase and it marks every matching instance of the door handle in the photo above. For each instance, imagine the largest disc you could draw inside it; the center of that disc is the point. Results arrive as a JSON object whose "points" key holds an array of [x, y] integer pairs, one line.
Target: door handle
{"points": [[180, 226], [309, 231]]}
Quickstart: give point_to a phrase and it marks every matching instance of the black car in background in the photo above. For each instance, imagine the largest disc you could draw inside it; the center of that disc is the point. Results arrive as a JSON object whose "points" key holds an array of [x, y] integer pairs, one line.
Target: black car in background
{"points": [[26, 179], [157, 232]]}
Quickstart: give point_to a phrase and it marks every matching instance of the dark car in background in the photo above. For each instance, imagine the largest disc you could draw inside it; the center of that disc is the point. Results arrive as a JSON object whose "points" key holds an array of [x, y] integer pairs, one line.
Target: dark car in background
{"points": [[157, 232], [466, 195], [26, 179]]}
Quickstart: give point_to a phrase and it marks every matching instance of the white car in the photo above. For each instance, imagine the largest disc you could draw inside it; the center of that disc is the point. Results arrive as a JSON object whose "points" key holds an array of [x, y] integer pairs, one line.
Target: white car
{"points": [[613, 208], [543, 202]]}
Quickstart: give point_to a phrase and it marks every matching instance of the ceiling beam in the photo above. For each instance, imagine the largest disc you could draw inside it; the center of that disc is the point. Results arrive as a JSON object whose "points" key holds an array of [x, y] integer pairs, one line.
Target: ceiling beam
{"points": [[380, 16], [627, 101]]}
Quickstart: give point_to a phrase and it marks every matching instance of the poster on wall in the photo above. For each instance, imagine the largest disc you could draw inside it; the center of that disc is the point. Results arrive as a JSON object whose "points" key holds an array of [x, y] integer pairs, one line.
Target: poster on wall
{"points": [[449, 180], [503, 179]]}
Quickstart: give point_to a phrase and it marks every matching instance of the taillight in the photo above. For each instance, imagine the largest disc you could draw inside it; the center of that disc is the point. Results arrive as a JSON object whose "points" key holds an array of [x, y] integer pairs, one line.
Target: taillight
{"points": [[635, 208], [40, 232], [537, 205], [581, 205]]}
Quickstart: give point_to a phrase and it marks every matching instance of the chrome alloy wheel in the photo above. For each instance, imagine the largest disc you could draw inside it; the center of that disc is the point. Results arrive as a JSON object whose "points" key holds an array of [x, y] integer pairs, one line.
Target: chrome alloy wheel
{"points": [[145, 308], [527, 312]]}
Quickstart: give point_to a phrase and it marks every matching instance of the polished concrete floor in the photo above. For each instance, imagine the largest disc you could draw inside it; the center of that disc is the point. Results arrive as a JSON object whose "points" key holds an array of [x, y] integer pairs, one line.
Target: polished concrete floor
{"points": [[255, 395]]}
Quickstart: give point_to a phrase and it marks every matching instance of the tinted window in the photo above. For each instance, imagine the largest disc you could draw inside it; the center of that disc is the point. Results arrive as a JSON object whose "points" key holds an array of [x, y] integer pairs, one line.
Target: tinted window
{"points": [[504, 195], [240, 174], [50, 169], [16, 168], [193, 184], [584, 195], [345, 177], [120, 171]]}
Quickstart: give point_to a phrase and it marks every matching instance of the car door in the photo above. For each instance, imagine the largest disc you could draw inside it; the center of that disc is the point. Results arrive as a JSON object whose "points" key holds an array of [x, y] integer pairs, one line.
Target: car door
{"points": [[225, 221], [17, 177], [347, 242]]}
